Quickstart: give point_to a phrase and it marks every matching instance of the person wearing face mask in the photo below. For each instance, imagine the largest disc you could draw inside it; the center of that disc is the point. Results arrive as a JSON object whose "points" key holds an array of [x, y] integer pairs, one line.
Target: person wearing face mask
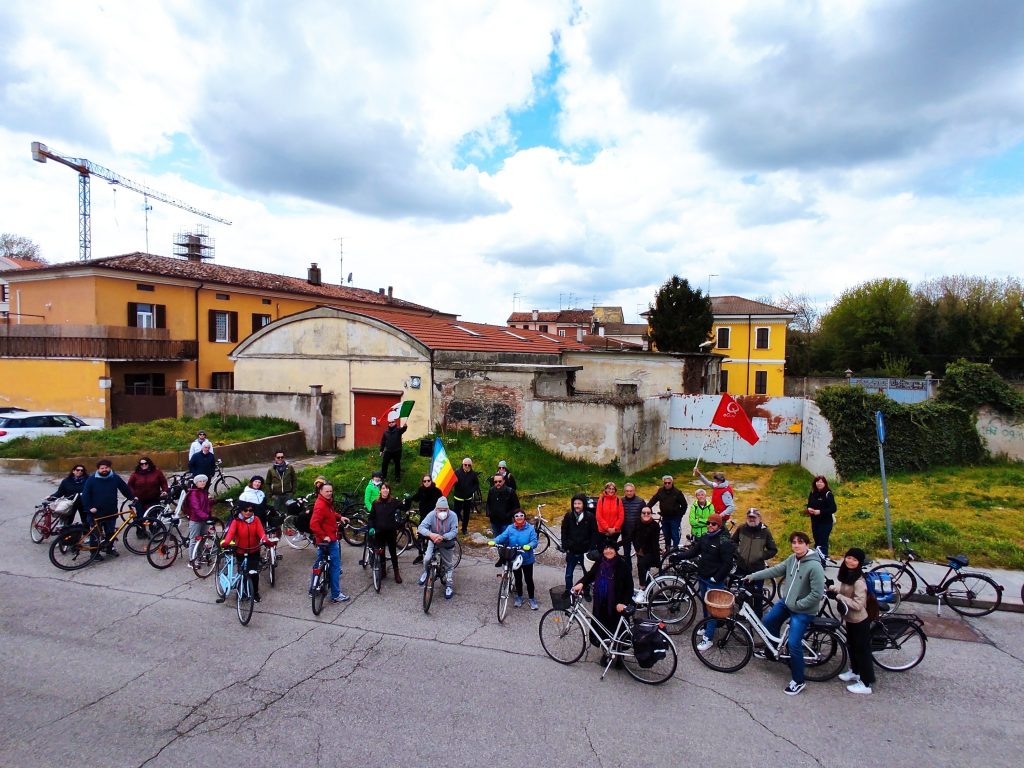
{"points": [[579, 536], [245, 534], [700, 511], [754, 547], [440, 528], [372, 490], [519, 534], [385, 516], [852, 592], [646, 535]]}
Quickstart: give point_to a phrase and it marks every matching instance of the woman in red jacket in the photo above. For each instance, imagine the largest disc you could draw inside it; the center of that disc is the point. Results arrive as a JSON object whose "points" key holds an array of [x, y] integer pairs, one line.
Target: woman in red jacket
{"points": [[146, 484], [610, 515], [246, 534]]}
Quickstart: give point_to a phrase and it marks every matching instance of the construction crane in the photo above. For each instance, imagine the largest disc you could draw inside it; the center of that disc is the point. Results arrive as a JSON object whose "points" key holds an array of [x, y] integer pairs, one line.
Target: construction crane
{"points": [[41, 153]]}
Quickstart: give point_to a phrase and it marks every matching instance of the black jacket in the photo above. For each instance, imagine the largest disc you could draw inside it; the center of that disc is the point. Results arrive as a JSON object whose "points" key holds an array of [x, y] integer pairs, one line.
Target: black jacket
{"points": [[716, 552], [391, 440], [467, 484], [510, 482], [501, 503], [203, 464], [823, 500], [426, 498], [646, 538], [385, 514], [578, 538], [623, 579], [671, 501], [70, 485]]}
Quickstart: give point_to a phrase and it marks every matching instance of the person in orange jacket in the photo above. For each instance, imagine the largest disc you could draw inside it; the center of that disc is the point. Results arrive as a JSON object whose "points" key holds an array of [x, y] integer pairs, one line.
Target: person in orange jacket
{"points": [[610, 515]]}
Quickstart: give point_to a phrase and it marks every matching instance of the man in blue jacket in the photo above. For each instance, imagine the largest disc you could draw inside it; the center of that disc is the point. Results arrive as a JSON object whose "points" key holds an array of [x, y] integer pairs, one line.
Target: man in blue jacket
{"points": [[99, 499]]}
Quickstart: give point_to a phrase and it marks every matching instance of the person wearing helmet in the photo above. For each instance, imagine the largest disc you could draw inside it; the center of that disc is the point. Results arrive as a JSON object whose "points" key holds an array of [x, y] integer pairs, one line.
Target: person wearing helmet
{"points": [[440, 528], [519, 534], [579, 536]]}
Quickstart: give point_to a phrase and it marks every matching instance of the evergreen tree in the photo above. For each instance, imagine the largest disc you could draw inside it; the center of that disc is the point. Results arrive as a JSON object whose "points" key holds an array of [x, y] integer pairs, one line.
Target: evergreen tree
{"points": [[681, 317]]}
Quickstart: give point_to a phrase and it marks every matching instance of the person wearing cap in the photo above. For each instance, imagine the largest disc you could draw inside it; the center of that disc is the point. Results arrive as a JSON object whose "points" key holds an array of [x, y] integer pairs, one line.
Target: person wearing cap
{"points": [[391, 448], [280, 483], [245, 533], [440, 528], [372, 491], [99, 499], [198, 509], [203, 462], [755, 545], [323, 525], [502, 470], [198, 443], [502, 501], [715, 554], [611, 581], [671, 506], [700, 511], [519, 534], [804, 587], [852, 594], [646, 535], [722, 496], [465, 491], [254, 492], [579, 536]]}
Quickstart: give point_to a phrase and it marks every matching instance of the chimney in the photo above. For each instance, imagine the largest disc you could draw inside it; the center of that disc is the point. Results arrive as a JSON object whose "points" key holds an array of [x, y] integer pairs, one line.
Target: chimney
{"points": [[600, 330], [380, 291], [314, 274], [536, 315], [391, 294], [579, 334]]}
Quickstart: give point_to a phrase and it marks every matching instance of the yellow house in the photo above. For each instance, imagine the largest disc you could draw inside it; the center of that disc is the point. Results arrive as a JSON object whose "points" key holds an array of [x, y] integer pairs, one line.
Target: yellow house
{"points": [[108, 338], [752, 337]]}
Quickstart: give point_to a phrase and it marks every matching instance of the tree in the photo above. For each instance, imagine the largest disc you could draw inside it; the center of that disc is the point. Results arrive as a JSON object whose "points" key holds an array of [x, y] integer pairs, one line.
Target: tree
{"points": [[681, 317], [17, 247]]}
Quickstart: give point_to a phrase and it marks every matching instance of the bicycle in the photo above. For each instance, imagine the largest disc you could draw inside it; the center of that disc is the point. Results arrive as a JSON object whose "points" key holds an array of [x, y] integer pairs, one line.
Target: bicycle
{"points": [[435, 570], [512, 557], [319, 584], [545, 533], [220, 483], [77, 546], [373, 558], [168, 535], [239, 579], [969, 593], [825, 653], [51, 517], [564, 633]]}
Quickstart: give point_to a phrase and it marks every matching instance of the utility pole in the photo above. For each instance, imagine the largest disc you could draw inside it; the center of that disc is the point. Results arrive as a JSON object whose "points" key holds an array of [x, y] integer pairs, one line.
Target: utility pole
{"points": [[341, 260], [709, 285]]}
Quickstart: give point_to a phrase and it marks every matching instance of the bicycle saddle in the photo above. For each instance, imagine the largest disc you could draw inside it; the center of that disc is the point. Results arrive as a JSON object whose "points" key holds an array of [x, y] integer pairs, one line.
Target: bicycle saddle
{"points": [[957, 561], [824, 622]]}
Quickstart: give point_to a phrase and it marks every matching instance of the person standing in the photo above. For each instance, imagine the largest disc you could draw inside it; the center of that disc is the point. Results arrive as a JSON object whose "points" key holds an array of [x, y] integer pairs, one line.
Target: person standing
{"points": [[426, 497], [324, 526], [372, 491], [631, 506], [502, 470], [203, 462], [198, 510], [281, 483], [579, 536], [146, 483], [821, 506], [391, 449], [700, 511], [99, 499], [519, 534], [502, 501], [754, 547], [465, 491], [715, 554], [385, 515], [610, 514], [722, 497], [198, 443], [72, 486], [645, 541], [853, 593], [804, 587], [671, 505]]}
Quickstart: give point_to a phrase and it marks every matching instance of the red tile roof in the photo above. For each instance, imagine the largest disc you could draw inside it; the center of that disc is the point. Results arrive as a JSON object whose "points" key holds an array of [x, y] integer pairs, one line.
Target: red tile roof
{"points": [[439, 332], [577, 316], [207, 272], [736, 305], [18, 263], [604, 342]]}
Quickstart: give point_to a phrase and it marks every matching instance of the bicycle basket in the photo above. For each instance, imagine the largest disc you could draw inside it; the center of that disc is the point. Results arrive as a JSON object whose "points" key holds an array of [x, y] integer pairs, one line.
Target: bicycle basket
{"points": [[719, 603], [65, 507], [559, 598], [649, 645]]}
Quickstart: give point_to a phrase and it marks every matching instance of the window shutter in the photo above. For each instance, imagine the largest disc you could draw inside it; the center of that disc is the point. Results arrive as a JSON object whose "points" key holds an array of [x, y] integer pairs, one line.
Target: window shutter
{"points": [[256, 322], [213, 325], [133, 315], [161, 315], [233, 326]]}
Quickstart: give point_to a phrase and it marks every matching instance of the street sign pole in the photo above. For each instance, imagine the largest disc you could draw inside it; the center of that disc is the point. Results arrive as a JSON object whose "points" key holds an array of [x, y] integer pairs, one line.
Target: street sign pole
{"points": [[880, 430]]}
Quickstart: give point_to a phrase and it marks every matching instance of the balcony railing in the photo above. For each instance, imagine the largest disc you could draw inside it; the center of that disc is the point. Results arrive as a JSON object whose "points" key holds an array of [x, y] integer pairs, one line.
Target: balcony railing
{"points": [[97, 348]]}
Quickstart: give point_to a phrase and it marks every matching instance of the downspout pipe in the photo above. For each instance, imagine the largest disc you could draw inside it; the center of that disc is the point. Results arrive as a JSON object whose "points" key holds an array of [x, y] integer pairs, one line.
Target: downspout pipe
{"points": [[198, 343], [750, 347]]}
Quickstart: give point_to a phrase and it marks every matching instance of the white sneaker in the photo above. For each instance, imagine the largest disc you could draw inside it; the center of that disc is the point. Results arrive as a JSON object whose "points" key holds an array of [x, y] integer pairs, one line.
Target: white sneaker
{"points": [[705, 643], [423, 578], [849, 676], [858, 687]]}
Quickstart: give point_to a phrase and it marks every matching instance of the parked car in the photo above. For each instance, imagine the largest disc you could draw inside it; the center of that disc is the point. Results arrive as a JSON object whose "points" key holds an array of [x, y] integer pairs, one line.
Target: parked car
{"points": [[38, 423], [11, 409]]}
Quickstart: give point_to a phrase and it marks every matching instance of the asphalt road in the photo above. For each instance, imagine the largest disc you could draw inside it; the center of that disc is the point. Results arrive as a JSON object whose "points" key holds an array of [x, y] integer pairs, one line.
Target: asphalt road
{"points": [[122, 665]]}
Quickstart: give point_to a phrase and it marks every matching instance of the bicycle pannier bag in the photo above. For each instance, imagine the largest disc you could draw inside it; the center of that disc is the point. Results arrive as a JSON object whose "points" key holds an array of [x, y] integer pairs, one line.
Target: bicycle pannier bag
{"points": [[880, 585], [649, 645]]}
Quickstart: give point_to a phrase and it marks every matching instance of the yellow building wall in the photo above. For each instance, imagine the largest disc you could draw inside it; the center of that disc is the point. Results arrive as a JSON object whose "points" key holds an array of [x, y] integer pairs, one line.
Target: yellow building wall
{"points": [[741, 377], [56, 385], [71, 300]]}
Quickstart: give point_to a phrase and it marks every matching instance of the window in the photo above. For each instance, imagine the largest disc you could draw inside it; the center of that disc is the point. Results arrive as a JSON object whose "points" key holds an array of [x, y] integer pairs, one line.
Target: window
{"points": [[4, 293], [760, 382], [723, 338], [258, 321], [723, 381], [223, 380], [223, 297], [561, 332], [223, 326], [144, 384], [146, 315], [543, 329], [145, 287], [266, 301], [762, 338]]}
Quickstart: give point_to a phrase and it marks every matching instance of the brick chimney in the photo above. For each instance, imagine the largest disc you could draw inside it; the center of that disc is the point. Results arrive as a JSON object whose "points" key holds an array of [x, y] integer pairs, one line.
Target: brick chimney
{"points": [[314, 274], [391, 294], [536, 315]]}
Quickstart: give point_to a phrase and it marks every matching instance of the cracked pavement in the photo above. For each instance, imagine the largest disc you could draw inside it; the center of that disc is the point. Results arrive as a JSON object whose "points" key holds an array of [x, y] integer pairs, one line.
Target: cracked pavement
{"points": [[123, 665]]}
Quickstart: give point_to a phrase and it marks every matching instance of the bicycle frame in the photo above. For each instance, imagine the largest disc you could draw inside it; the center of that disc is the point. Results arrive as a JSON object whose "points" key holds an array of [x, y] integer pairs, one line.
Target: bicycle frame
{"points": [[96, 529], [540, 524], [610, 642]]}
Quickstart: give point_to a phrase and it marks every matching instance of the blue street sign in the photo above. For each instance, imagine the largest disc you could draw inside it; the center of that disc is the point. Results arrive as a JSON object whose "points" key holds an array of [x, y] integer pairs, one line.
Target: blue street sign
{"points": [[880, 426]]}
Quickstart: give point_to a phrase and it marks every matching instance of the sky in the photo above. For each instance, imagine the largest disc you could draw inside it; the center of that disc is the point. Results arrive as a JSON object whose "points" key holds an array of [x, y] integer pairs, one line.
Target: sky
{"points": [[485, 157]]}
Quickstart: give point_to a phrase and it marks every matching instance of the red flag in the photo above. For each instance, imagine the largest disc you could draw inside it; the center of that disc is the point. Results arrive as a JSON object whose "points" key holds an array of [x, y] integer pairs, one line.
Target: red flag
{"points": [[731, 416]]}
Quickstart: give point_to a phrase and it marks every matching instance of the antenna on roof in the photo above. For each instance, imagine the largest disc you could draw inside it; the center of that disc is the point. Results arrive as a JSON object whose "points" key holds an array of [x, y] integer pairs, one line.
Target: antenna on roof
{"points": [[515, 299], [341, 261]]}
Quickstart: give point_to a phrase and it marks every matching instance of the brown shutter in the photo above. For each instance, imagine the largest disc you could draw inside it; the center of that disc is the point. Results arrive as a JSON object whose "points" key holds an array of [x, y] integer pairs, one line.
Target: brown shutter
{"points": [[213, 324], [133, 315], [233, 326], [256, 324], [161, 315]]}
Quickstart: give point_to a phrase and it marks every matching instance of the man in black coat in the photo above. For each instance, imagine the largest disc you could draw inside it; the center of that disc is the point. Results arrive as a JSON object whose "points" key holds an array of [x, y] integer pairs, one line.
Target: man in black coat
{"points": [[716, 554], [671, 506], [502, 501], [579, 533], [467, 486], [391, 449]]}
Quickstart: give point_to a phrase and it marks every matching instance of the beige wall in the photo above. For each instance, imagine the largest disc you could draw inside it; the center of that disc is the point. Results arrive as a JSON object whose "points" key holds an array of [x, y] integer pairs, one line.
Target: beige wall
{"points": [[655, 374]]}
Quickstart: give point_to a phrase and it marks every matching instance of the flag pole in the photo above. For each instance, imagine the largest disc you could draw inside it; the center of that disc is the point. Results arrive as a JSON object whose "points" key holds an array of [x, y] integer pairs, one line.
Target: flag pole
{"points": [[701, 454]]}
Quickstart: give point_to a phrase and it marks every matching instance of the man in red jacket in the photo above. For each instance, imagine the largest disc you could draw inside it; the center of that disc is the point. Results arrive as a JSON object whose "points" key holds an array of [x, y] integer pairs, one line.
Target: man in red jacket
{"points": [[246, 534], [324, 527]]}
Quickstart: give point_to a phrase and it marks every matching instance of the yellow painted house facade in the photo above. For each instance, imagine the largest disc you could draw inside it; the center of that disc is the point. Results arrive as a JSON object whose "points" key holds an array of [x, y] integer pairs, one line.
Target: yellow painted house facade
{"points": [[752, 338]]}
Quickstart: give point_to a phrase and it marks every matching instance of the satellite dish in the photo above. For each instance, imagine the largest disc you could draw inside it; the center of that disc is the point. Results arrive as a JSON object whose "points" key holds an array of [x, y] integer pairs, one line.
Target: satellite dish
{"points": [[350, 278]]}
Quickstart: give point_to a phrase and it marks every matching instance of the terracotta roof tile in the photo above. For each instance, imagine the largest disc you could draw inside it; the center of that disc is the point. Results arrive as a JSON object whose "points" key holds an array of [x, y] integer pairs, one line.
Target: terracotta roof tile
{"points": [[577, 316], [736, 305]]}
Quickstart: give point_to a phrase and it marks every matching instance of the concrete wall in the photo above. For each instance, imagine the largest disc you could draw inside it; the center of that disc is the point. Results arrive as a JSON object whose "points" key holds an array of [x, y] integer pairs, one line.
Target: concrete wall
{"points": [[776, 420], [653, 372], [806, 386], [1001, 435], [312, 411], [489, 399], [815, 444]]}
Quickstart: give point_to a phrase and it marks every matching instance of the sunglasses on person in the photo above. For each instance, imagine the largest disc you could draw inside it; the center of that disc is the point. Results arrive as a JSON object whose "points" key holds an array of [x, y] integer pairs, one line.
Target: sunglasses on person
{"points": [[426, 481], [714, 525], [143, 463], [645, 514], [77, 469]]}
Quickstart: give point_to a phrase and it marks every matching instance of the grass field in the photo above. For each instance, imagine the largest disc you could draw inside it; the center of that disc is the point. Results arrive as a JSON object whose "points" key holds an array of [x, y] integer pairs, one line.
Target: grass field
{"points": [[970, 510]]}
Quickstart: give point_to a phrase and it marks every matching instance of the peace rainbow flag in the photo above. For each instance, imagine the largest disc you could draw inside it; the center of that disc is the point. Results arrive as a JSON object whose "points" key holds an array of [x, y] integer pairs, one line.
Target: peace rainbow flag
{"points": [[441, 469]]}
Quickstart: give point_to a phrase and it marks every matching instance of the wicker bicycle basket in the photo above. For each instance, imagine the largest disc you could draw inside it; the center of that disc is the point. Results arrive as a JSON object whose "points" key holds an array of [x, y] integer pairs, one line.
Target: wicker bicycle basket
{"points": [[719, 603]]}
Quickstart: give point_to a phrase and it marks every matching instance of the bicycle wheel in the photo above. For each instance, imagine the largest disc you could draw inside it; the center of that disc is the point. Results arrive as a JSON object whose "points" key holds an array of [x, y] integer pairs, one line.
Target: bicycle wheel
{"points": [[223, 581], [562, 636], [428, 588], [272, 565], [732, 647], [662, 669], [354, 532], [244, 602], [769, 590], [224, 484], [290, 532], [973, 594], [320, 589], [403, 539], [139, 533], [40, 526], [825, 654], [543, 542], [456, 554], [672, 603], [903, 578], [897, 645], [376, 567], [504, 595], [163, 550], [205, 559], [71, 550]]}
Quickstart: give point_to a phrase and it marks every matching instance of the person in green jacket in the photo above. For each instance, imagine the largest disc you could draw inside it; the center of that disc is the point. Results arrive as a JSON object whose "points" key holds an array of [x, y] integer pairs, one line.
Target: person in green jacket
{"points": [[804, 589], [280, 483], [372, 492], [700, 511]]}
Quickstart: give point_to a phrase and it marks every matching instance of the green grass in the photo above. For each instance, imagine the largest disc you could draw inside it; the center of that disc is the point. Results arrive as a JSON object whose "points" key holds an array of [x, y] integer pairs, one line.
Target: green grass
{"points": [[148, 437]]}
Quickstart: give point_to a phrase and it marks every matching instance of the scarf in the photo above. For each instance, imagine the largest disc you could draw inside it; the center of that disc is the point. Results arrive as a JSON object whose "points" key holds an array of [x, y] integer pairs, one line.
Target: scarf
{"points": [[849, 575], [604, 584]]}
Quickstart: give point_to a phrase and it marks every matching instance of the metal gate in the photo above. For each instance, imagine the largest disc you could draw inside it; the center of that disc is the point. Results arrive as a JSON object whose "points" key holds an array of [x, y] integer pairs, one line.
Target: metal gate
{"points": [[127, 408], [777, 421]]}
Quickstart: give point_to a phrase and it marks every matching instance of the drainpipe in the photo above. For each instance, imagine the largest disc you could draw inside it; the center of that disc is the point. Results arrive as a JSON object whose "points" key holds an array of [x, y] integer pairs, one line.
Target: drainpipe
{"points": [[198, 288], [749, 348]]}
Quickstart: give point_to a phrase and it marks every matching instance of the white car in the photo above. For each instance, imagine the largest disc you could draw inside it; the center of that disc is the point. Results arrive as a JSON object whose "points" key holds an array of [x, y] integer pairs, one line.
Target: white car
{"points": [[38, 423]]}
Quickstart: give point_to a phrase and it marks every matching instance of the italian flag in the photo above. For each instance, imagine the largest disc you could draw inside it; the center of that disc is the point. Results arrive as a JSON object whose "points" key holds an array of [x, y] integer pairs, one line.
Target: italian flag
{"points": [[400, 410]]}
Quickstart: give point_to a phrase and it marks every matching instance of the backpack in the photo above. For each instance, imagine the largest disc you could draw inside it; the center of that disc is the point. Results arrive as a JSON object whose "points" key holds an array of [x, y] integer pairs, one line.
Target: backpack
{"points": [[649, 645]]}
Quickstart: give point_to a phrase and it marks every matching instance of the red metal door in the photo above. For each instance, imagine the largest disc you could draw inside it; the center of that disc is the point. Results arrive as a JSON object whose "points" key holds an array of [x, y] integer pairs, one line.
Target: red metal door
{"points": [[369, 413]]}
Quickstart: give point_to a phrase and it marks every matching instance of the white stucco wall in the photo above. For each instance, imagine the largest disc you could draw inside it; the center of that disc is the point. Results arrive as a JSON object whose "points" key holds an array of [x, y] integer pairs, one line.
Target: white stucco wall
{"points": [[816, 437], [1000, 435]]}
